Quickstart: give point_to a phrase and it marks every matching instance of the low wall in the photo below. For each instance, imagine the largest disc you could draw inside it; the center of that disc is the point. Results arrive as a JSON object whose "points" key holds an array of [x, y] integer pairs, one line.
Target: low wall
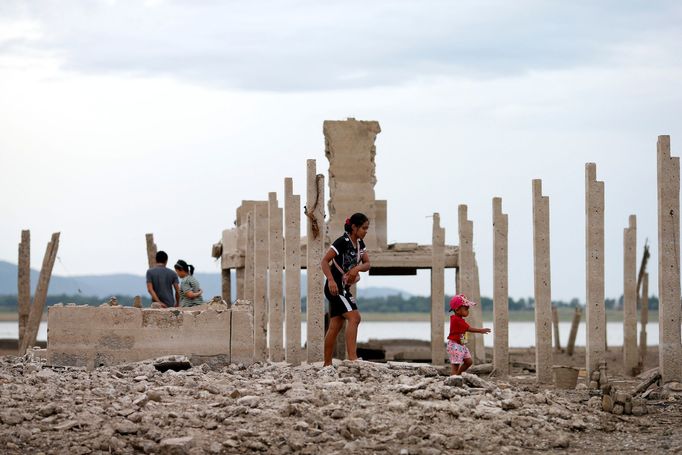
{"points": [[99, 336]]}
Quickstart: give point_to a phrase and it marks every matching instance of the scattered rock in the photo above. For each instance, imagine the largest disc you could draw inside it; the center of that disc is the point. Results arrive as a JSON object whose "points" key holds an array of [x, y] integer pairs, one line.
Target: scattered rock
{"points": [[126, 427], [176, 446]]}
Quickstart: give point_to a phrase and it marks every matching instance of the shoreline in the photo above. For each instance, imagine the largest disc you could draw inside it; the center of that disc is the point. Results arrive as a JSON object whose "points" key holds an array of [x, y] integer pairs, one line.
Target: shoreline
{"points": [[565, 315]]}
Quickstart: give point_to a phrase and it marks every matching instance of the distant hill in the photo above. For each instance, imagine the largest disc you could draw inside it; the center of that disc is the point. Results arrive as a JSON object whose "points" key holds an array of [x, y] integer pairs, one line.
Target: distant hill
{"points": [[128, 284]]}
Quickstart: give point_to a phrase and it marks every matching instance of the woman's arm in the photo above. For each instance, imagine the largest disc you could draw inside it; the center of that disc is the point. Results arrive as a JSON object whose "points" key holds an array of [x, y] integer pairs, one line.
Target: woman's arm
{"points": [[195, 289], [352, 274], [324, 265]]}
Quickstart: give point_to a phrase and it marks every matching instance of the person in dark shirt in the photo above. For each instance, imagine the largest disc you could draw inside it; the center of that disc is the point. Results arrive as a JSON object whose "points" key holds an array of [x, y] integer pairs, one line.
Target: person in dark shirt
{"points": [[161, 281], [460, 357], [346, 258]]}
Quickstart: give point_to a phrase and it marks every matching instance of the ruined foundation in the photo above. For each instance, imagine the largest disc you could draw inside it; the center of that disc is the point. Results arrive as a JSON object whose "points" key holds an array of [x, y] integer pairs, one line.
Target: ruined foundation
{"points": [[91, 337]]}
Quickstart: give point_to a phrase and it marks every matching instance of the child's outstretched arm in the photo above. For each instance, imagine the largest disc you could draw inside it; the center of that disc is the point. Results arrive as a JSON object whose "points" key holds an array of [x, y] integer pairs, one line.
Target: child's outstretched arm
{"points": [[477, 330]]}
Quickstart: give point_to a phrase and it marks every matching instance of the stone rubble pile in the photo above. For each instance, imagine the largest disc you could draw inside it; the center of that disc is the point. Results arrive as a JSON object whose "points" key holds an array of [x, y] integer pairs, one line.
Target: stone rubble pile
{"points": [[353, 407]]}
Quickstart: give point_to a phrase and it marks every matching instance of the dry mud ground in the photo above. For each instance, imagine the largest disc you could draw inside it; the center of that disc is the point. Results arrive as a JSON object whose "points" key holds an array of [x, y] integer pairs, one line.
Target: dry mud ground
{"points": [[354, 407]]}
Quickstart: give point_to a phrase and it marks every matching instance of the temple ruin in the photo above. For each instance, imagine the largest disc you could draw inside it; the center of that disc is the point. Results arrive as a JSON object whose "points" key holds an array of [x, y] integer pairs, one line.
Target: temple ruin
{"points": [[267, 253]]}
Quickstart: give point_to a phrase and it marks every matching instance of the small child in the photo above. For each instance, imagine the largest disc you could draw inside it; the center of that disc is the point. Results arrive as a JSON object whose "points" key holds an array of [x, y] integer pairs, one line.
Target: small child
{"points": [[460, 357]]}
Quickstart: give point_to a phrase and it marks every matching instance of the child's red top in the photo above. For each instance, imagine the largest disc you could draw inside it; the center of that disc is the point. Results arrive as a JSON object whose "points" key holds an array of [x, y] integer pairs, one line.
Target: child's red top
{"points": [[458, 326]]}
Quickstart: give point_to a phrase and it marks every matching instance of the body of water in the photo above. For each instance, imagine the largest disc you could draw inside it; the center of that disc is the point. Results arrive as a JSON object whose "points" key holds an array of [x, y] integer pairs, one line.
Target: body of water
{"points": [[521, 334]]}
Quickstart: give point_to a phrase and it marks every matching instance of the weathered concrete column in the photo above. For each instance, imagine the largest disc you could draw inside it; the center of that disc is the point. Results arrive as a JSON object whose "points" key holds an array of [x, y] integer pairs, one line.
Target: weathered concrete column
{"points": [[437, 292], [230, 242], [24, 282], [260, 285], [669, 311], [630, 353], [239, 274], [467, 266], [249, 256], [292, 266], [40, 297], [225, 285], [477, 317], [276, 263], [500, 290], [350, 149], [151, 250], [594, 251], [315, 252], [574, 331], [542, 285], [644, 319], [555, 329]]}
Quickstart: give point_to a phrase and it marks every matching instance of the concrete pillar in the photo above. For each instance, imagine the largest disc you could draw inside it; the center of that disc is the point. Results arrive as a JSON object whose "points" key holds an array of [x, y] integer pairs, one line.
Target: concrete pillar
{"points": [[669, 347], [381, 223], [242, 236], [151, 250], [555, 329], [226, 285], [594, 252], [24, 282], [40, 297], [467, 272], [241, 333], [644, 319], [574, 331], [476, 316], [249, 257], [276, 263], [542, 285], [230, 242], [630, 353], [437, 292], [500, 290], [350, 149], [260, 286], [315, 252], [292, 266]]}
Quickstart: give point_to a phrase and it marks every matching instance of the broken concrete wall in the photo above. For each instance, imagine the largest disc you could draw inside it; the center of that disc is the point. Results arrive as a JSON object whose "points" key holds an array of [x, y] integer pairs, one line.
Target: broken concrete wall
{"points": [[350, 149], [92, 337]]}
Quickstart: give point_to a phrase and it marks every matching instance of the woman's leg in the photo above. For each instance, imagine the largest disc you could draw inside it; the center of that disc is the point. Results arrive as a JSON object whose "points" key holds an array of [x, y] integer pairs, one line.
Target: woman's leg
{"points": [[353, 318], [335, 325]]}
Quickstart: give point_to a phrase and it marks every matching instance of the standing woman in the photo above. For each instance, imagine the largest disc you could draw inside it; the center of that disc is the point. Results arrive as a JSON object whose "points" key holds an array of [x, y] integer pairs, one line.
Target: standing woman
{"points": [[190, 291], [345, 259]]}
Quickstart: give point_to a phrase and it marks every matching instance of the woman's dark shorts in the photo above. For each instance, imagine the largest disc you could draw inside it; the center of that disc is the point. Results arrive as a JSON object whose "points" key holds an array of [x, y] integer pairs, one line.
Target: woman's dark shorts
{"points": [[341, 303]]}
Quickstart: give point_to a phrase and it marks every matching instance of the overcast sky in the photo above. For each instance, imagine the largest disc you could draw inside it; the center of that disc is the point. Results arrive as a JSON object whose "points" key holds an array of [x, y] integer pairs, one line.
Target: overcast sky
{"points": [[119, 118]]}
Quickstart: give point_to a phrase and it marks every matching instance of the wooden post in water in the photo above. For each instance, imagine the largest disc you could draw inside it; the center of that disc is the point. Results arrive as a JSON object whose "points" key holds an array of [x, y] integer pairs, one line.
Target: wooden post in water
{"points": [[555, 326], [574, 331], [40, 297], [151, 250], [24, 283]]}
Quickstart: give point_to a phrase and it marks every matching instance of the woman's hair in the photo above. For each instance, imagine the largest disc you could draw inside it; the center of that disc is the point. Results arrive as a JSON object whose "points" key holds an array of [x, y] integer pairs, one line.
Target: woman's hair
{"points": [[184, 266], [357, 219]]}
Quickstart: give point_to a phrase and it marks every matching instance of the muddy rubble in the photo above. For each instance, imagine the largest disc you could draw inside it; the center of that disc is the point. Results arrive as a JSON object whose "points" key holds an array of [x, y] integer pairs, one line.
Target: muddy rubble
{"points": [[353, 407]]}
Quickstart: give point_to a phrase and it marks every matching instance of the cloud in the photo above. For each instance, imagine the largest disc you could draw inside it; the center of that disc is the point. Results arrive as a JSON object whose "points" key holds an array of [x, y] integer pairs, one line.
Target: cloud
{"points": [[306, 45]]}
